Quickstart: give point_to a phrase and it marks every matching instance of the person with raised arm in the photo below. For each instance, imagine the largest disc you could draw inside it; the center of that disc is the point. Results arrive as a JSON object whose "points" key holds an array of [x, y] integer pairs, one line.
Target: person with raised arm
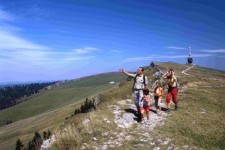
{"points": [[140, 83]]}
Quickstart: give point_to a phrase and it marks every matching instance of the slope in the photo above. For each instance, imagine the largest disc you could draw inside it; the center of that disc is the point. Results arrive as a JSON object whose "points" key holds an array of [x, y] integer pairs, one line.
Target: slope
{"points": [[50, 107]]}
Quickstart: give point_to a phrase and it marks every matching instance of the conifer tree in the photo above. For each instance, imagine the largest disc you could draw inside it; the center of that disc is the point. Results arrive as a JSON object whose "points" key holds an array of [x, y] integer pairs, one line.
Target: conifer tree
{"points": [[30, 146], [49, 134], [19, 145], [37, 140], [45, 135]]}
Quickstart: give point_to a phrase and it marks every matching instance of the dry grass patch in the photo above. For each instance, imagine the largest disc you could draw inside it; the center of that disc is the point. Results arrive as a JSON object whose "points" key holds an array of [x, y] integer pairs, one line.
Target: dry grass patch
{"points": [[200, 120]]}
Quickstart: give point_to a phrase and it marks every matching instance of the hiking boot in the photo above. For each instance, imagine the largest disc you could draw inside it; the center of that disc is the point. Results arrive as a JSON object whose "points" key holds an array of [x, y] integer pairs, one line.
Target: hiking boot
{"points": [[176, 107], [168, 110]]}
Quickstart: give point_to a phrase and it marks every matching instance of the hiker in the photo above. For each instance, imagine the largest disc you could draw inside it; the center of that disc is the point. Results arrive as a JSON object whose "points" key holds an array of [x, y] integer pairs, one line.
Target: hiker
{"points": [[172, 89], [140, 83], [145, 104], [158, 93]]}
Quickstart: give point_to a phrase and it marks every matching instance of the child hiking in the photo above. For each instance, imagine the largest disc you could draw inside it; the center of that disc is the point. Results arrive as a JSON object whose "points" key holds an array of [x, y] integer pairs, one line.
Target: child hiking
{"points": [[145, 104], [172, 89], [140, 83], [158, 93]]}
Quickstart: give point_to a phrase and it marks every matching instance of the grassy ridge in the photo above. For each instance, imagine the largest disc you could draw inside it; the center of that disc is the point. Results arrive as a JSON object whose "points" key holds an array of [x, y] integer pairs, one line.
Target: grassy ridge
{"points": [[199, 123], [49, 108]]}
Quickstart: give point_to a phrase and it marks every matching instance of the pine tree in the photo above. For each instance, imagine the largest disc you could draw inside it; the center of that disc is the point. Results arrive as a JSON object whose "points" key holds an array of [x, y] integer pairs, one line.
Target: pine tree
{"points": [[30, 146], [45, 135], [37, 140], [82, 109], [49, 134], [19, 145]]}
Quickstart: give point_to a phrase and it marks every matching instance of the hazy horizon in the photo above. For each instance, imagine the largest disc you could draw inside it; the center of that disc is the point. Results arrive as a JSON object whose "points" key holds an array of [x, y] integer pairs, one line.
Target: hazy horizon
{"points": [[41, 81]]}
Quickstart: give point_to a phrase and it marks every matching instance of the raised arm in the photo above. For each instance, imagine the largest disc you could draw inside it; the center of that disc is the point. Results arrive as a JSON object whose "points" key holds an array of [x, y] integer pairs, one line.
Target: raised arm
{"points": [[124, 72], [165, 75]]}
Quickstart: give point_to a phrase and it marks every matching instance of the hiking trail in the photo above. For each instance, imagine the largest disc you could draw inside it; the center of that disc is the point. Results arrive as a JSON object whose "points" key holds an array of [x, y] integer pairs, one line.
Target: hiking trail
{"points": [[185, 71]]}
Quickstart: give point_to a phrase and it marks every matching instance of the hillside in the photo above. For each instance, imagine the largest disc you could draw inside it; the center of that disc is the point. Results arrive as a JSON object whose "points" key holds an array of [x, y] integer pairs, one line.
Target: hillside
{"points": [[49, 108], [14, 94], [198, 124]]}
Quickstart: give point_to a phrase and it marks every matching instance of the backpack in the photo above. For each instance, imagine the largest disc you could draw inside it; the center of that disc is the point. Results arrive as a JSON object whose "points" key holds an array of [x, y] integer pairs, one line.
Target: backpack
{"points": [[135, 78]]}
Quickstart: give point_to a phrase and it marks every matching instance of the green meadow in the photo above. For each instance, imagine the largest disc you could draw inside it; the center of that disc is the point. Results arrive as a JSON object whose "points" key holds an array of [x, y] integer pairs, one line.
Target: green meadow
{"points": [[49, 108]]}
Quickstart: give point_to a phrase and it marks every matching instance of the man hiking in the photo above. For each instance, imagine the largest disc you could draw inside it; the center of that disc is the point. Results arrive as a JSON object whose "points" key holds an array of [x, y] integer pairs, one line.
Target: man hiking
{"points": [[172, 89], [140, 83]]}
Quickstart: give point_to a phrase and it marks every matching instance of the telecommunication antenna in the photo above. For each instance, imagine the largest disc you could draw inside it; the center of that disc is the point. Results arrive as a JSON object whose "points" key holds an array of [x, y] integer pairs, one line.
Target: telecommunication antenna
{"points": [[190, 59], [189, 50]]}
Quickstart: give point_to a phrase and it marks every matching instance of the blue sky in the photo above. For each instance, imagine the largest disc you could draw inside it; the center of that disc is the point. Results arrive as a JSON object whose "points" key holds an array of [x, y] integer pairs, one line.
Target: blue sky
{"points": [[65, 39]]}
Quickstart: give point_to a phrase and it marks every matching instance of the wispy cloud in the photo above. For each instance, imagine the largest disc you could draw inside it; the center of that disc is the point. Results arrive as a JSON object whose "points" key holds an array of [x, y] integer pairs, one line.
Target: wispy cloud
{"points": [[213, 50], [85, 50], [9, 41], [177, 48], [116, 51], [4, 16], [18, 50], [43, 57], [221, 56], [36, 11], [157, 57]]}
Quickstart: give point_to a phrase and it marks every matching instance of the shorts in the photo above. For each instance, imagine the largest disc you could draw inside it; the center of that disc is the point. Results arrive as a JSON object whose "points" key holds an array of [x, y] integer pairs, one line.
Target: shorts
{"points": [[146, 108]]}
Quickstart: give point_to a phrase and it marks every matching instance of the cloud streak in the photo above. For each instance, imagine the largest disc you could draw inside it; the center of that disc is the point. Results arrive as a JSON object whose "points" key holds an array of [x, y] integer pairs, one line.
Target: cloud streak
{"points": [[157, 57], [176, 48], [116, 51], [16, 49], [85, 50], [213, 50], [4, 16], [9, 41]]}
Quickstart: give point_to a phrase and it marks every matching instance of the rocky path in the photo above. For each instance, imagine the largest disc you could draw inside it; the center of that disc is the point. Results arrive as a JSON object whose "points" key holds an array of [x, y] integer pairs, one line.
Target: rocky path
{"points": [[129, 129], [185, 71]]}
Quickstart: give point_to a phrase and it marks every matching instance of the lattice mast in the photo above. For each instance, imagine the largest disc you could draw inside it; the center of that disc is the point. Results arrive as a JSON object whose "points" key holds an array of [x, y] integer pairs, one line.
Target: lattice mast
{"points": [[190, 59]]}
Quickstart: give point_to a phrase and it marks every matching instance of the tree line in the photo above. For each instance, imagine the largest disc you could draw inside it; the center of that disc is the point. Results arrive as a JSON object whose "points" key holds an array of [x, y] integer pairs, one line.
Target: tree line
{"points": [[86, 106], [12, 95], [35, 143]]}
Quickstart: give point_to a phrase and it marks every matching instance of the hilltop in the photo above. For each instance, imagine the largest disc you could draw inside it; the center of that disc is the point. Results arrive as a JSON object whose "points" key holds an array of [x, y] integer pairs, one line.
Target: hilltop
{"points": [[198, 124]]}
